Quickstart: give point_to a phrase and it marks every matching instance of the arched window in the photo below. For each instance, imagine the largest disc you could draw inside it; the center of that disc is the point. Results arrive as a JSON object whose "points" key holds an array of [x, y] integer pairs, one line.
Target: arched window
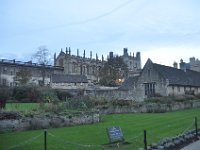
{"points": [[61, 63]]}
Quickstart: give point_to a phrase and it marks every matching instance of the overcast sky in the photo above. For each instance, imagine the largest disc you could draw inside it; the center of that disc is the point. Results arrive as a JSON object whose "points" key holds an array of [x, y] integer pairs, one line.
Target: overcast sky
{"points": [[162, 30]]}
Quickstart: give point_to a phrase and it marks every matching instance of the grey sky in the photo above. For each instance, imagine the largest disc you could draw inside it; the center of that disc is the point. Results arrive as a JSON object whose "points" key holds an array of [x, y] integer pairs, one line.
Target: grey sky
{"points": [[163, 30]]}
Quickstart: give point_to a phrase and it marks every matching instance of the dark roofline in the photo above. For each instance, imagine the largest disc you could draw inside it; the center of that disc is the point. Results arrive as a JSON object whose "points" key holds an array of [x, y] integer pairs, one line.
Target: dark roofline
{"points": [[28, 64], [178, 77]]}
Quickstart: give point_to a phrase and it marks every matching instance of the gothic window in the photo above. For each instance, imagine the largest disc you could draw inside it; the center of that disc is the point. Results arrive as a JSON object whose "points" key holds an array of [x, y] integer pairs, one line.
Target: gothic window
{"points": [[4, 70], [4, 82], [61, 63], [74, 67], [149, 89], [88, 70], [84, 68]]}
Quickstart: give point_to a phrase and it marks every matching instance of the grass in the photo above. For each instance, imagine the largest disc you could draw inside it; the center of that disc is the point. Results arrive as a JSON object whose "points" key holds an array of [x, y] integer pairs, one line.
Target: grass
{"points": [[21, 106], [92, 137]]}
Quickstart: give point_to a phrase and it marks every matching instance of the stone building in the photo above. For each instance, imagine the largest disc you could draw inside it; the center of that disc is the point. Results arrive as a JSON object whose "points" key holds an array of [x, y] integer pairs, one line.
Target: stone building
{"points": [[9, 68], [193, 64], [160, 80], [80, 65], [66, 64], [133, 62]]}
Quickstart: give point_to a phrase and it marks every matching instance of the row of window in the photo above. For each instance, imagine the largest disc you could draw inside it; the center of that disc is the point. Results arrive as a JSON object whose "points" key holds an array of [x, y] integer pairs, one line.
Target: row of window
{"points": [[149, 89], [179, 88]]}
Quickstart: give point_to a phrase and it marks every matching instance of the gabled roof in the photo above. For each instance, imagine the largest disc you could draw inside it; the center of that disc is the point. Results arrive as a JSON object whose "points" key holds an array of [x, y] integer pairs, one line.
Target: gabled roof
{"points": [[129, 83], [177, 76], [58, 78]]}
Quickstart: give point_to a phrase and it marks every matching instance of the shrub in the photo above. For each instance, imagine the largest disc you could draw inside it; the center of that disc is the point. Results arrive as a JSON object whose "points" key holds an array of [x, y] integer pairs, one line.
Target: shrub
{"points": [[122, 102], [27, 94], [49, 95], [63, 95], [4, 96], [80, 103]]}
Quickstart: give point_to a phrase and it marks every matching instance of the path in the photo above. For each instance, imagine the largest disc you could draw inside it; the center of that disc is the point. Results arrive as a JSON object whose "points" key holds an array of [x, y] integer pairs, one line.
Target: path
{"points": [[192, 146]]}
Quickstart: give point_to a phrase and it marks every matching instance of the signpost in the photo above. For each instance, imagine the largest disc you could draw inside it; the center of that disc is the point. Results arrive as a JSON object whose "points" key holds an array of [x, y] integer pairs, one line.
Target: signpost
{"points": [[115, 134]]}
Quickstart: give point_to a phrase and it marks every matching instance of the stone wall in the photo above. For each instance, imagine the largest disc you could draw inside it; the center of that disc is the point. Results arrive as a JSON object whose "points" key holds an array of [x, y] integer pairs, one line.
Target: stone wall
{"points": [[48, 121], [112, 94], [150, 107]]}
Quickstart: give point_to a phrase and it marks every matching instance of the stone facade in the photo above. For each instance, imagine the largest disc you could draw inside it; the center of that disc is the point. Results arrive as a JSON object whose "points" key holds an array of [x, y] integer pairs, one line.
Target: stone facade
{"points": [[67, 64], [69, 81], [9, 68], [156, 80], [133, 62], [80, 65], [160, 80]]}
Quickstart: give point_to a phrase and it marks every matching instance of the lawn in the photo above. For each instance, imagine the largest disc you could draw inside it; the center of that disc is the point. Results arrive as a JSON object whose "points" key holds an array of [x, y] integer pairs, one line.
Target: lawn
{"points": [[21, 106], [92, 137]]}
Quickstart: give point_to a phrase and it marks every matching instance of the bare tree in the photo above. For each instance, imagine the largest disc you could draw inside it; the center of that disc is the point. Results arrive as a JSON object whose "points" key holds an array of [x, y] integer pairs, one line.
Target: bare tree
{"points": [[42, 56], [23, 76]]}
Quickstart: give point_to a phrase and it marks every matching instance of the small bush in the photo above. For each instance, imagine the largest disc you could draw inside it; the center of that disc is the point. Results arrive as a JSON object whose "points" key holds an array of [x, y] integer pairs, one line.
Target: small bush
{"points": [[80, 103], [49, 95], [4, 96], [27, 94], [63, 95], [122, 102]]}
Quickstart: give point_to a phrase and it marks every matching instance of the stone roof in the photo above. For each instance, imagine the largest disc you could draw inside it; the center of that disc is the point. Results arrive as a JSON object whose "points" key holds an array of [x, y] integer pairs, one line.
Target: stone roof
{"points": [[129, 83], [58, 78], [177, 76]]}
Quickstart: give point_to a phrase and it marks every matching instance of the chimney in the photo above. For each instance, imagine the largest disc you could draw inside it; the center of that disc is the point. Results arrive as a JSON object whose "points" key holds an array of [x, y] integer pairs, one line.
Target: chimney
{"points": [[175, 64], [96, 57], [111, 55], [66, 51], [90, 54], [84, 54], [125, 51], [138, 55], [69, 51], [77, 52], [182, 65]]}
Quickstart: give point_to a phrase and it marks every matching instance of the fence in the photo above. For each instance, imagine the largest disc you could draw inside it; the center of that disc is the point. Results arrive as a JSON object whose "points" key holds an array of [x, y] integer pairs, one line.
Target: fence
{"points": [[189, 133], [186, 137]]}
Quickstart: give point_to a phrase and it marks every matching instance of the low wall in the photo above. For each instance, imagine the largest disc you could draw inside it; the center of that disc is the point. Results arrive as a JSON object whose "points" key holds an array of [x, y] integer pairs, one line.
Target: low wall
{"points": [[150, 107], [48, 121]]}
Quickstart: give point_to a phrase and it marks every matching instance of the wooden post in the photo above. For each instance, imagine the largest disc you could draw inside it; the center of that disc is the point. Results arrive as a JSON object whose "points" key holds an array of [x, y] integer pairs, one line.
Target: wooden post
{"points": [[145, 139], [45, 139], [196, 128]]}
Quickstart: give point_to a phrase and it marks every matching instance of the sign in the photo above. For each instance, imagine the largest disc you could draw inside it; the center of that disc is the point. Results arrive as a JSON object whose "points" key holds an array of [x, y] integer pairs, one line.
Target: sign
{"points": [[115, 134]]}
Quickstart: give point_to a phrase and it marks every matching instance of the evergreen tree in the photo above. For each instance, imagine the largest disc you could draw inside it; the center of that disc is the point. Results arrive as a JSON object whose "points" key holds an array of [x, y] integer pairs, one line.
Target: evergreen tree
{"points": [[114, 69]]}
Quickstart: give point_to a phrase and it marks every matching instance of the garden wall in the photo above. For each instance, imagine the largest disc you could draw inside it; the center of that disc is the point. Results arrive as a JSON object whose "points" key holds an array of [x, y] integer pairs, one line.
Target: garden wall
{"points": [[48, 121], [151, 107]]}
